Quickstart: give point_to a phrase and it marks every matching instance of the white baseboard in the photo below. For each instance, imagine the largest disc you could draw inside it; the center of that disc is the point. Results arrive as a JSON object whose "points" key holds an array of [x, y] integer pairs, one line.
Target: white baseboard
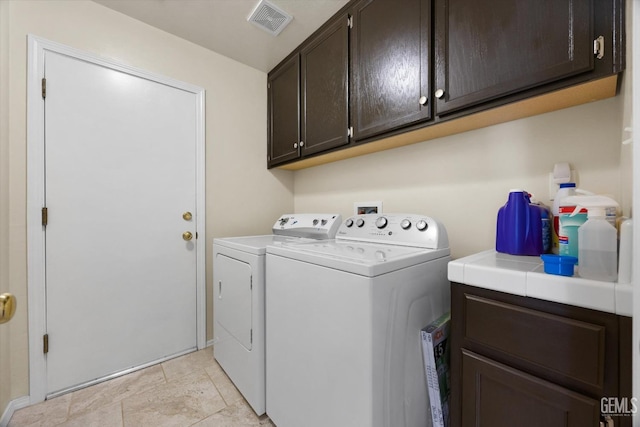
{"points": [[14, 405]]}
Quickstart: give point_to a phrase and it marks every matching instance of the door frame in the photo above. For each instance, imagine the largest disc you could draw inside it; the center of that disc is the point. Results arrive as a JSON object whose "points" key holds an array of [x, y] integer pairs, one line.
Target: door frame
{"points": [[36, 297]]}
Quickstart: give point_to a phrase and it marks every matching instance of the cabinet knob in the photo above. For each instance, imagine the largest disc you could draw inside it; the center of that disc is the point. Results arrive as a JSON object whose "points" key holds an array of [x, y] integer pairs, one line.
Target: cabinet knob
{"points": [[439, 93], [423, 100], [295, 145], [301, 143]]}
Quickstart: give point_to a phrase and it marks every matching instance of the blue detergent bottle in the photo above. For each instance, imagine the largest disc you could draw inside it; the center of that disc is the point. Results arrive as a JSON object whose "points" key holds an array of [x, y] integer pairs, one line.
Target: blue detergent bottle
{"points": [[519, 226]]}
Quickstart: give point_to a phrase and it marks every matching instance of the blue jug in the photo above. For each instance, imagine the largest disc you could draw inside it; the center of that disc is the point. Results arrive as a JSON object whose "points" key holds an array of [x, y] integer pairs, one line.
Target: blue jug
{"points": [[519, 227]]}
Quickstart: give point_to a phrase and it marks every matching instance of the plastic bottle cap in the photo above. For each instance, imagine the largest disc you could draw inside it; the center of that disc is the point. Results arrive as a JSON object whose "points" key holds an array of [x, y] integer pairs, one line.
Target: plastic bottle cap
{"points": [[597, 212]]}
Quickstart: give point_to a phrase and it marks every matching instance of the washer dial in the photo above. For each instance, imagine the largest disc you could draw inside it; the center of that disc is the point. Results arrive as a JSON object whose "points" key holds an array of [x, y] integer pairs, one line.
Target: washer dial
{"points": [[381, 222]]}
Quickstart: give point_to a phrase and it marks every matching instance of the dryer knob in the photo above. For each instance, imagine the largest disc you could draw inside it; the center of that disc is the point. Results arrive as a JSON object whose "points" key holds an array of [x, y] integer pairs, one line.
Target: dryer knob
{"points": [[360, 222], [422, 225], [348, 222], [315, 222], [405, 224], [381, 222]]}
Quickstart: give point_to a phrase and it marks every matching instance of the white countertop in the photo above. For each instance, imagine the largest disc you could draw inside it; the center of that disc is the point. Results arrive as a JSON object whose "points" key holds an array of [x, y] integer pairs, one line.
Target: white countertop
{"points": [[525, 276]]}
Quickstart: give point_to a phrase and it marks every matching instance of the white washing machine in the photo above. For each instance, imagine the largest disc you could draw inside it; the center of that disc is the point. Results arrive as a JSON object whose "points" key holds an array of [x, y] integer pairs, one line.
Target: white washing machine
{"points": [[344, 319], [238, 304]]}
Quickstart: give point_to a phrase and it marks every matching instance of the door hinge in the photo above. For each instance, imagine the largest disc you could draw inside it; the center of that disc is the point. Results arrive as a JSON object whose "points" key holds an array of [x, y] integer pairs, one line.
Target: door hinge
{"points": [[44, 88], [598, 47], [45, 343], [45, 216], [350, 22]]}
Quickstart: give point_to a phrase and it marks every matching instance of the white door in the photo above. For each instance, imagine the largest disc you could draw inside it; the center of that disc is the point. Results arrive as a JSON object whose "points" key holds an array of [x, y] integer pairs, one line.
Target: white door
{"points": [[120, 156]]}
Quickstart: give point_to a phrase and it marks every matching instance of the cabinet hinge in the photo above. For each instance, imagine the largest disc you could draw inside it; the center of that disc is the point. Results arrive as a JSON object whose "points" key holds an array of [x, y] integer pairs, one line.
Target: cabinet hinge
{"points": [[251, 282], [45, 343], [598, 47], [44, 88], [251, 337], [350, 131], [45, 216], [350, 22]]}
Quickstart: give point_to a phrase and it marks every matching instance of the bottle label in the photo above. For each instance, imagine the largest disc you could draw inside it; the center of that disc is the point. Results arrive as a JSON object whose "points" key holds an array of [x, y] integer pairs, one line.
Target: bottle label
{"points": [[546, 235], [568, 232]]}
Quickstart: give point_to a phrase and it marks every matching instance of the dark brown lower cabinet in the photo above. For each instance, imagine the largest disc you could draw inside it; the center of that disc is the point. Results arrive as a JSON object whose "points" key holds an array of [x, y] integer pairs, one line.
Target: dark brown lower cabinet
{"points": [[525, 362], [499, 396]]}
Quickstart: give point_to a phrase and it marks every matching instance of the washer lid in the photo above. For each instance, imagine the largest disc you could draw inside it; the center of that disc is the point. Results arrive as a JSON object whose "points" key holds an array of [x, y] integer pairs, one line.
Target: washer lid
{"points": [[256, 244], [366, 259]]}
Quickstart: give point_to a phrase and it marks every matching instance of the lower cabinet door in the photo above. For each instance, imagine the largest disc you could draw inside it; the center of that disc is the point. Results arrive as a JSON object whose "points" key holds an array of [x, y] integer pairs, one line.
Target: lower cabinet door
{"points": [[495, 395]]}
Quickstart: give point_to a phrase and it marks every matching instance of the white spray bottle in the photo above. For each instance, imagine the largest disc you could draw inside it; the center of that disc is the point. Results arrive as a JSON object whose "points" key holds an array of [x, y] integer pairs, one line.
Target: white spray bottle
{"points": [[597, 239]]}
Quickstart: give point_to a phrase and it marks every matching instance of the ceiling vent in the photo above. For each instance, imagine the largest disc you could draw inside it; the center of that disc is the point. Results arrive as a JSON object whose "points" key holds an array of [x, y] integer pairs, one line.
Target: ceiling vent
{"points": [[269, 17]]}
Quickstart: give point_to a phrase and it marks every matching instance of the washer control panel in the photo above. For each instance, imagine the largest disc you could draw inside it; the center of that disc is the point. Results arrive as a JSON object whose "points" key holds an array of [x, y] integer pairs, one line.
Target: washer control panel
{"points": [[395, 229], [314, 226]]}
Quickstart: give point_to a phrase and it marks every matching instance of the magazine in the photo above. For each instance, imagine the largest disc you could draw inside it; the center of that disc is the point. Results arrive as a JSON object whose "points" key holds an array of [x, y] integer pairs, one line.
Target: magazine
{"points": [[435, 351]]}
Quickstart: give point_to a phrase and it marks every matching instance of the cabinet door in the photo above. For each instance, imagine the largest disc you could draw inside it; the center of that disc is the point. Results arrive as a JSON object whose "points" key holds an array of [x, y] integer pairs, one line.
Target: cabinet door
{"points": [[325, 86], [233, 298], [495, 395], [490, 48], [390, 65], [284, 112]]}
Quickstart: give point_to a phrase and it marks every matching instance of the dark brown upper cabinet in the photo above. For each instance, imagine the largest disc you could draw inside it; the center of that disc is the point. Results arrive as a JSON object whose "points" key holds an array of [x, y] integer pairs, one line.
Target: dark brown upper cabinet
{"points": [[309, 96], [283, 94], [390, 51], [406, 71], [491, 49], [325, 89]]}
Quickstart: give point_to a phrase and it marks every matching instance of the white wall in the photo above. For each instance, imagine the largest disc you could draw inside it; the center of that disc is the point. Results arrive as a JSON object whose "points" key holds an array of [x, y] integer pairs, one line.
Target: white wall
{"points": [[242, 196], [5, 367], [463, 179]]}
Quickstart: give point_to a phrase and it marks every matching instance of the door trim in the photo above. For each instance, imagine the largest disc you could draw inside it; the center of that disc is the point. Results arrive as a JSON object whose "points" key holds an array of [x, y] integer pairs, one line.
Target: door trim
{"points": [[36, 297]]}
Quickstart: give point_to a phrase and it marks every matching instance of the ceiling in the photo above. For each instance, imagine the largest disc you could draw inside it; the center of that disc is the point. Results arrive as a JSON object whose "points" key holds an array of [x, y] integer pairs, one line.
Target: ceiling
{"points": [[221, 25]]}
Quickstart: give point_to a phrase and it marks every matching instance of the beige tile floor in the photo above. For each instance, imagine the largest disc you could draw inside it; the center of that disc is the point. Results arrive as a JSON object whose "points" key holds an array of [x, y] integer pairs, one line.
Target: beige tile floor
{"points": [[191, 390]]}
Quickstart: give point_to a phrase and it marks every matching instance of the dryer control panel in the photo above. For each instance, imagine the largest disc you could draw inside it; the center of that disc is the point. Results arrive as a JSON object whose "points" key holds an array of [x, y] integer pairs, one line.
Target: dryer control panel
{"points": [[314, 226], [395, 229]]}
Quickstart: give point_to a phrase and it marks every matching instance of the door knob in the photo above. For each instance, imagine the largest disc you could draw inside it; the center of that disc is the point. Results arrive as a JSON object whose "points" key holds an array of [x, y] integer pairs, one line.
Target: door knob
{"points": [[187, 216], [187, 235], [7, 307]]}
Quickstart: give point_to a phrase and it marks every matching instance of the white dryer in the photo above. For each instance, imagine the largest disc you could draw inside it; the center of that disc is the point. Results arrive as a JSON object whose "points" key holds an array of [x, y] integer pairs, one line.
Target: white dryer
{"points": [[344, 319], [238, 298]]}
